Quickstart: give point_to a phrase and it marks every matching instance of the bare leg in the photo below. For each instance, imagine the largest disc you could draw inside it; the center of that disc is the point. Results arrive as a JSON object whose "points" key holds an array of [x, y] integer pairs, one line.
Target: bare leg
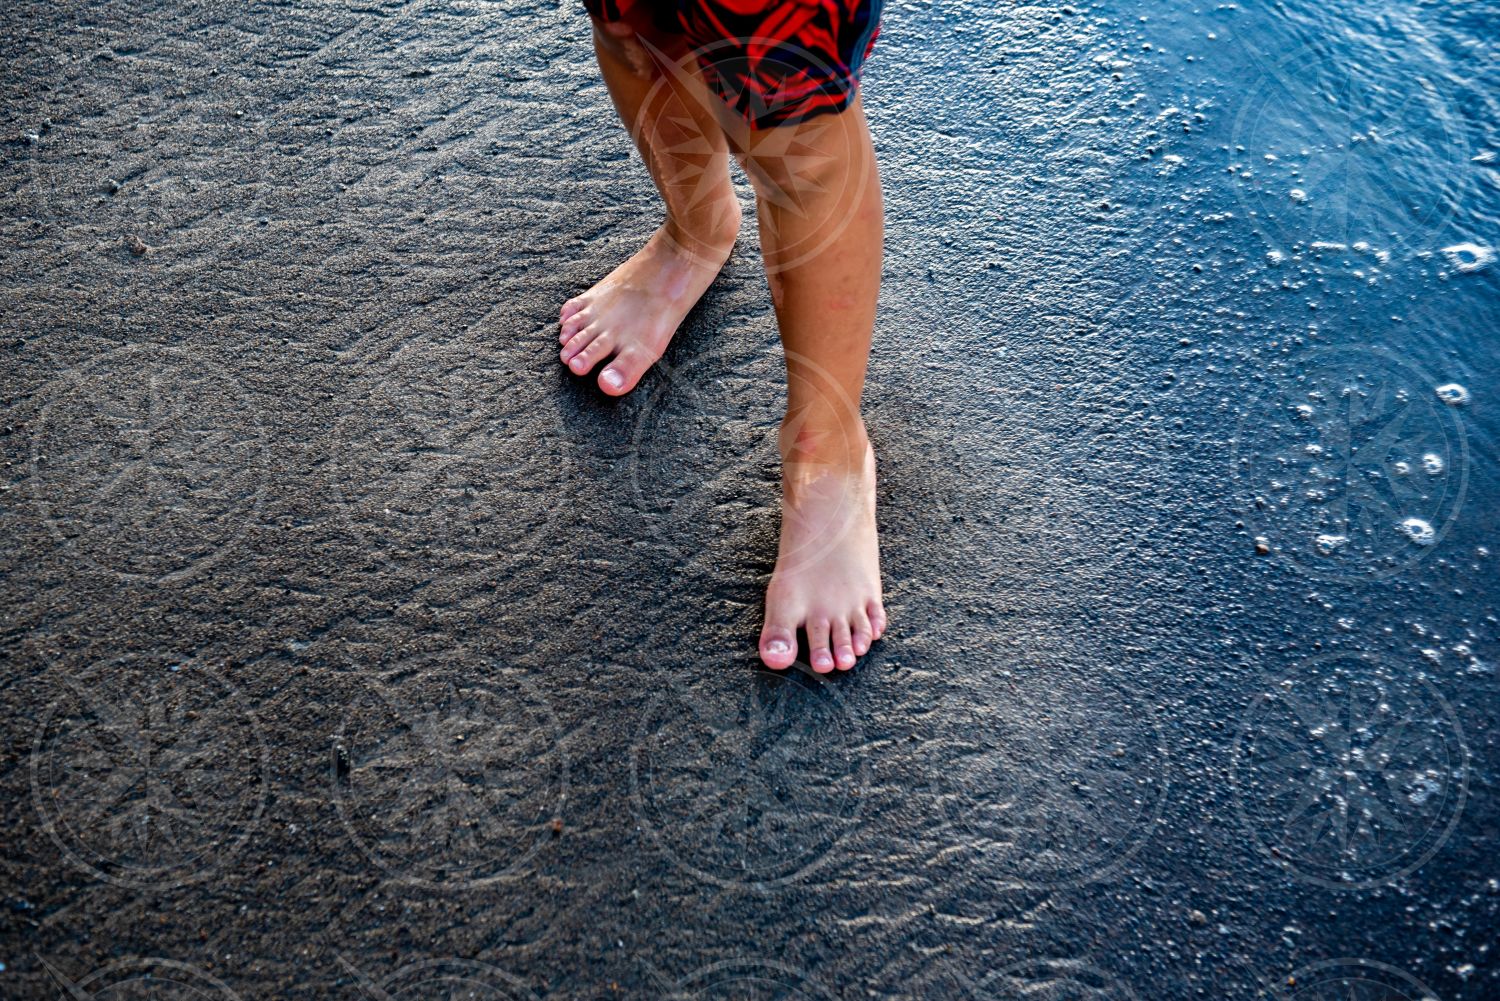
{"points": [[821, 225], [631, 314]]}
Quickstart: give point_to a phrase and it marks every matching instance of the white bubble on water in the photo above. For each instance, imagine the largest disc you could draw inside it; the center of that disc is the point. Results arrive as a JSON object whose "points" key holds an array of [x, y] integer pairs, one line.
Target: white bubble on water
{"points": [[1401, 467], [1328, 544], [1418, 531], [1452, 394], [1424, 787], [1298, 195], [1432, 463], [1469, 257]]}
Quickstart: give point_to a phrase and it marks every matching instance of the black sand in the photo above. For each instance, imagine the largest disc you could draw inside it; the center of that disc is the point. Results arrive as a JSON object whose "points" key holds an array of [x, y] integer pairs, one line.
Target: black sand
{"points": [[345, 632]]}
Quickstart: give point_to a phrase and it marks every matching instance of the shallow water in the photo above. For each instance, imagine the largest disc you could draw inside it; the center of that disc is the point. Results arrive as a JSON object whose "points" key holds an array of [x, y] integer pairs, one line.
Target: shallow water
{"points": [[350, 645]]}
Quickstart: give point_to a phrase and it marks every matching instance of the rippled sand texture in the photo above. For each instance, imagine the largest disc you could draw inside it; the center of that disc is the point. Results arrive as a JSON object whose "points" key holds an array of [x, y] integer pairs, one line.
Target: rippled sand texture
{"points": [[353, 648]]}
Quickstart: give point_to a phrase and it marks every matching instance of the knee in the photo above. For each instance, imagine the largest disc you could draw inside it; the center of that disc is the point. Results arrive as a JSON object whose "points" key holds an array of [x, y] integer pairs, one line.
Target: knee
{"points": [[620, 42], [786, 168]]}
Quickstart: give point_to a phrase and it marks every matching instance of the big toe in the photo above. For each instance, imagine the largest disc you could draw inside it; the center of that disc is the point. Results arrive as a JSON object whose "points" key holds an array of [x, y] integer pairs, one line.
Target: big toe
{"points": [[778, 646], [621, 375]]}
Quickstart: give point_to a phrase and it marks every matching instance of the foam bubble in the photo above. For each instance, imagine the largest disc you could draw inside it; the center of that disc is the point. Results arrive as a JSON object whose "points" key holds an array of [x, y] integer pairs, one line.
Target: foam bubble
{"points": [[1418, 531], [1328, 544], [1469, 257], [1452, 394], [1432, 463], [1423, 788]]}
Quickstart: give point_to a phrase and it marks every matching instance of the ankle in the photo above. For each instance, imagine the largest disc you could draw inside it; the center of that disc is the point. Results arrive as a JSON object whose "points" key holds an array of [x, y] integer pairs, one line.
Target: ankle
{"points": [[709, 229], [831, 442]]}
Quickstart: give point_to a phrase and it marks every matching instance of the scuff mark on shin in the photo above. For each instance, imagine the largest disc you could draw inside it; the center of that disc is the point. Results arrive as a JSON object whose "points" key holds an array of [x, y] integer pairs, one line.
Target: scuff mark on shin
{"points": [[778, 288]]}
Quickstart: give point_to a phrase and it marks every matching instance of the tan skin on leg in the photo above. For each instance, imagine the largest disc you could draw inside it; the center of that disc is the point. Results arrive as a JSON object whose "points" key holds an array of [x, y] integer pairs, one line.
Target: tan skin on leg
{"points": [[627, 319], [820, 217], [821, 224]]}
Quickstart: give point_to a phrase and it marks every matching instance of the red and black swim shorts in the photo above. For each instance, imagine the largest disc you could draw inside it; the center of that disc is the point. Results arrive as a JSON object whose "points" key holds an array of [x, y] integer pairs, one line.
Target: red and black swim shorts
{"points": [[775, 62]]}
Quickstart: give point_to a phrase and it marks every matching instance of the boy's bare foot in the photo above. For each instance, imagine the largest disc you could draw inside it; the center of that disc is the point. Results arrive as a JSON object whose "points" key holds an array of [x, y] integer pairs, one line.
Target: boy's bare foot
{"points": [[827, 576], [632, 313]]}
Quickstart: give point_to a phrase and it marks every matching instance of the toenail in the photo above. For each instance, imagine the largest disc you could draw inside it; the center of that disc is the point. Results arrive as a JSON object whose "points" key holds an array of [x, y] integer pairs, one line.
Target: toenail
{"points": [[613, 378], [778, 647]]}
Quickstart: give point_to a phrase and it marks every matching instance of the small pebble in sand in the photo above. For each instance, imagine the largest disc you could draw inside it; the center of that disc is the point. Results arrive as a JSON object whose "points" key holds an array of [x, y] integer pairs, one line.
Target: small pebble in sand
{"points": [[136, 245]]}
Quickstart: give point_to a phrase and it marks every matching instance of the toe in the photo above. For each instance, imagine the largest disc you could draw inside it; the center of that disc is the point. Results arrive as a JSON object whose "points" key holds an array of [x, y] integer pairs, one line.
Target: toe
{"points": [[577, 343], [876, 612], [622, 374], [843, 645], [592, 353], [817, 646], [778, 644], [860, 635], [572, 306], [573, 322]]}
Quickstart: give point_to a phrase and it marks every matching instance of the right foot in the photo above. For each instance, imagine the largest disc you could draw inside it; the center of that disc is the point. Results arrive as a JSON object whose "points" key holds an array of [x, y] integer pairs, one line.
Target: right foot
{"points": [[632, 313]]}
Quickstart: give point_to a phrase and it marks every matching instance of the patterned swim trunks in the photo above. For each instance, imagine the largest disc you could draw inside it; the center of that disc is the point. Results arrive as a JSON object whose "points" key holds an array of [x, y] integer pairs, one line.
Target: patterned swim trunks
{"points": [[775, 62]]}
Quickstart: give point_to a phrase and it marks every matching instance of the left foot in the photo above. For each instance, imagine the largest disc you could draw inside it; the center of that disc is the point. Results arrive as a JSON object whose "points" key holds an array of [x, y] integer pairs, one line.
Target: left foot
{"points": [[631, 314], [827, 576]]}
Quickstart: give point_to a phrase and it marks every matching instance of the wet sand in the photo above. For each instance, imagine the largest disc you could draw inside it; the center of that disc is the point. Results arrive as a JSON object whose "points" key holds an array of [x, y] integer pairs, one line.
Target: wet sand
{"points": [[353, 648]]}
